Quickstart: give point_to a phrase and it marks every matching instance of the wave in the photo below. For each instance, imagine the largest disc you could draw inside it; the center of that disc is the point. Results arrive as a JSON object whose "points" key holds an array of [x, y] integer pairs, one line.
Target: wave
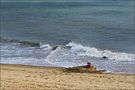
{"points": [[78, 50], [33, 44], [74, 54], [69, 55], [94, 52]]}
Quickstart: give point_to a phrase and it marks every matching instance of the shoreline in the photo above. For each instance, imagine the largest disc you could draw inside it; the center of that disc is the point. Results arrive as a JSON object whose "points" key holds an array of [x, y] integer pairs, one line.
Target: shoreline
{"points": [[17, 76], [50, 66]]}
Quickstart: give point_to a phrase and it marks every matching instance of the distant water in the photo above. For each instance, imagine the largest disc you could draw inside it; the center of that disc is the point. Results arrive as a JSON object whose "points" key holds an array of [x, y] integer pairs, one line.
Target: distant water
{"points": [[83, 31]]}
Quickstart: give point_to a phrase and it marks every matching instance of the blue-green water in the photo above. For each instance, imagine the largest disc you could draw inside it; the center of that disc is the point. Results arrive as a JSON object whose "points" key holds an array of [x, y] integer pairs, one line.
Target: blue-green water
{"points": [[105, 25]]}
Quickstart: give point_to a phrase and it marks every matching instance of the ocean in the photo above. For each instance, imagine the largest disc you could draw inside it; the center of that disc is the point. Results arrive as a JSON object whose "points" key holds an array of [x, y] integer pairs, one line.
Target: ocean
{"points": [[69, 33]]}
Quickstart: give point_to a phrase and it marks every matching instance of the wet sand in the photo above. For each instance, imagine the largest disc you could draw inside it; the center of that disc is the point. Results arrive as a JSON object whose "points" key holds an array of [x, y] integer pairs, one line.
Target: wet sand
{"points": [[26, 77]]}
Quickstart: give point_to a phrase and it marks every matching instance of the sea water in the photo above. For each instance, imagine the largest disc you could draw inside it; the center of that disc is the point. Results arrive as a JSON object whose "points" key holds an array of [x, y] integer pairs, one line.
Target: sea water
{"points": [[82, 31]]}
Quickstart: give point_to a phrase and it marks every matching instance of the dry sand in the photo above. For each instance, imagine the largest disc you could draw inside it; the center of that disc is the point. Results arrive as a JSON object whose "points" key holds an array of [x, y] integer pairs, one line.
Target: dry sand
{"points": [[23, 77]]}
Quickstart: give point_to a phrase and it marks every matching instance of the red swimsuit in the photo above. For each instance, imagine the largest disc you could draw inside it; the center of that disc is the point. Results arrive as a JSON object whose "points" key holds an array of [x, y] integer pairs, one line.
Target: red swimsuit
{"points": [[88, 65]]}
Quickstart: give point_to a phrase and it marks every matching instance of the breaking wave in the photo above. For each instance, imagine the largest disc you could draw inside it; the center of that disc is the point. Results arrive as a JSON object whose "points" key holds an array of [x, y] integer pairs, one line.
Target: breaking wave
{"points": [[94, 52], [69, 55], [70, 49], [74, 54]]}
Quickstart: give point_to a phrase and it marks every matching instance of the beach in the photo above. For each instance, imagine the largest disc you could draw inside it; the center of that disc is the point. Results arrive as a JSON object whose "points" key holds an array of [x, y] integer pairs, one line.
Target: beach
{"points": [[26, 77], [46, 44], [68, 33]]}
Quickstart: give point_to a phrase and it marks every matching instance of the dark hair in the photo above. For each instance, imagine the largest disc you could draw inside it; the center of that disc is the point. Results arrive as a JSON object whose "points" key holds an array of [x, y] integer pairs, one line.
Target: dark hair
{"points": [[88, 63]]}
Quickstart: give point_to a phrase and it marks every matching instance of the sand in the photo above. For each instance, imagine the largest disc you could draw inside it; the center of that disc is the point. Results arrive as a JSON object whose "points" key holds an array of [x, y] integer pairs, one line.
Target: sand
{"points": [[25, 77]]}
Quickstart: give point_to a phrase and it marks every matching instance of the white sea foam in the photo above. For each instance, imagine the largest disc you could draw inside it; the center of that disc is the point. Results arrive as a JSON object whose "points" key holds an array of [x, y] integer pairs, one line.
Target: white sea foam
{"points": [[62, 57], [71, 55], [45, 46], [94, 52]]}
